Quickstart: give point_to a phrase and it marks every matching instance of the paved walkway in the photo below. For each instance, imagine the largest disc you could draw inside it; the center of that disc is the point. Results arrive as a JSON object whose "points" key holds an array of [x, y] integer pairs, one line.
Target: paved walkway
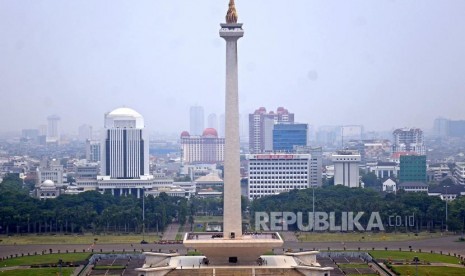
{"points": [[447, 245], [171, 232], [289, 236]]}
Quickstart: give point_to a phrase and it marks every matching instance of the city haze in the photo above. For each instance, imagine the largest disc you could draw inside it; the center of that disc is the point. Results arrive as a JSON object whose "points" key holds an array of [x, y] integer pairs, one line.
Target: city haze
{"points": [[383, 64]]}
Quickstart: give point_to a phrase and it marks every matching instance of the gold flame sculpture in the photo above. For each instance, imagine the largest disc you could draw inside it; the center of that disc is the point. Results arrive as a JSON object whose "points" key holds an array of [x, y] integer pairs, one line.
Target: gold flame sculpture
{"points": [[231, 16]]}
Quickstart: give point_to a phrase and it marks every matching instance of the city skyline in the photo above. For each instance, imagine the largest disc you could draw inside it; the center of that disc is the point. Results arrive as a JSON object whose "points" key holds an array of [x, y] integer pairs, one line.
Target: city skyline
{"points": [[88, 58]]}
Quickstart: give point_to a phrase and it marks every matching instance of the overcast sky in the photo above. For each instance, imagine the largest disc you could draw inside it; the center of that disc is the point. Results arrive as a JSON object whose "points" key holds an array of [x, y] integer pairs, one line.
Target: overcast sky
{"points": [[380, 63]]}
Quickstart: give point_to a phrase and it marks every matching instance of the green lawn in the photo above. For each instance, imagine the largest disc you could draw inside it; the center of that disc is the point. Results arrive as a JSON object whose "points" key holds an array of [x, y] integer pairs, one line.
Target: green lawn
{"points": [[361, 237], [38, 272], [109, 267], [353, 265], [77, 239], [45, 259], [200, 219], [431, 270], [398, 255]]}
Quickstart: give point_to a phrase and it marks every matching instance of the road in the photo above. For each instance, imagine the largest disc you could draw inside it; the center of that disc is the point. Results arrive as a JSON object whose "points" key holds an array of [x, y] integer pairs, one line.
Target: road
{"points": [[447, 245], [171, 232]]}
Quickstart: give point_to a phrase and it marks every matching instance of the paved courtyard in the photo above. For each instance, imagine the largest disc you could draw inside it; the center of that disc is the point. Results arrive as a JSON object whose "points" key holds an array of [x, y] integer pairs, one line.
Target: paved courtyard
{"points": [[447, 245]]}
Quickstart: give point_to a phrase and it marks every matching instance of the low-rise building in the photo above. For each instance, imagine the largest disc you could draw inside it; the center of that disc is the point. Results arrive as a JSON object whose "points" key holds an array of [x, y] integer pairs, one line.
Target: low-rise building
{"points": [[47, 189], [414, 186], [389, 186], [448, 193], [384, 170], [459, 173]]}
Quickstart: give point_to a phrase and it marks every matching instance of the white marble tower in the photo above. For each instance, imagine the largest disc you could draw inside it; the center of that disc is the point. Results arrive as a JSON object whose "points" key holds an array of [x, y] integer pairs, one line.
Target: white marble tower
{"points": [[232, 224]]}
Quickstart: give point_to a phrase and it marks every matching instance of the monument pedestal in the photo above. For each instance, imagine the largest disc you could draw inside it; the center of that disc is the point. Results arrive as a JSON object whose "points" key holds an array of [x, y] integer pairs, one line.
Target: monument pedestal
{"points": [[244, 250]]}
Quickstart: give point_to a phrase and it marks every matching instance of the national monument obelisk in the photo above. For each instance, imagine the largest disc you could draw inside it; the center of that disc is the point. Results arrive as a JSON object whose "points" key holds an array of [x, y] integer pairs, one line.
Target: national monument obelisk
{"points": [[232, 246], [231, 32]]}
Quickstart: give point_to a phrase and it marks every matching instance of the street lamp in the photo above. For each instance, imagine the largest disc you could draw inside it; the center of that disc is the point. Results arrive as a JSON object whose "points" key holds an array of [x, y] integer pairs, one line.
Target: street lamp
{"points": [[313, 207], [60, 263], [416, 260], [143, 215], [445, 198]]}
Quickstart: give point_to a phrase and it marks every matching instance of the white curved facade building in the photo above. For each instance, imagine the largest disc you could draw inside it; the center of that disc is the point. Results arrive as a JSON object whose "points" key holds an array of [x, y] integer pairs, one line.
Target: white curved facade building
{"points": [[125, 147]]}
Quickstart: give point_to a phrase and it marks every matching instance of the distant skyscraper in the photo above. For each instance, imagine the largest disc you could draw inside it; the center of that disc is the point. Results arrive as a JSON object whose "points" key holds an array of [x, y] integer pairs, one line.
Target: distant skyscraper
{"points": [[441, 127], [258, 132], [221, 125], [53, 131], [197, 120], [286, 136], [456, 128], [351, 132], [125, 148], [93, 151], [212, 121], [85, 132], [412, 168], [207, 148], [408, 140], [346, 168], [30, 134]]}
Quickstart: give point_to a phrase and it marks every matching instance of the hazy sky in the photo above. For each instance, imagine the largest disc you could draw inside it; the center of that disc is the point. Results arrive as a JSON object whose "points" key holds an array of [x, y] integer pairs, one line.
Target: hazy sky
{"points": [[379, 63]]}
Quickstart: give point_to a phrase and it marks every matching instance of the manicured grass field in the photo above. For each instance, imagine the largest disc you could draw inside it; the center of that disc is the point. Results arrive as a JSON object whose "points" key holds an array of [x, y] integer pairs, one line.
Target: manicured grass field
{"points": [[428, 257], [109, 267], [361, 237], [45, 259], [431, 270], [38, 272], [76, 239], [200, 219], [353, 265]]}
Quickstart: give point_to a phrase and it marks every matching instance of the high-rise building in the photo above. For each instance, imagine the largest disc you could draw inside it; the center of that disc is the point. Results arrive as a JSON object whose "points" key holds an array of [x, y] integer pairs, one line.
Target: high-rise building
{"points": [[124, 167], [259, 131], [328, 135], [412, 168], [93, 151], [441, 127], [85, 132], [125, 146], [287, 136], [50, 170], [53, 131], [457, 128], [221, 125], [316, 163], [30, 134], [204, 149], [346, 168], [408, 140], [274, 173], [212, 121], [197, 120]]}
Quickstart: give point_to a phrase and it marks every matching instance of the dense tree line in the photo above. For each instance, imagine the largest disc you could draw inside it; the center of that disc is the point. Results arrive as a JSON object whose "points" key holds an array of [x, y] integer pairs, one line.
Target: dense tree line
{"points": [[88, 211], [429, 211], [95, 212]]}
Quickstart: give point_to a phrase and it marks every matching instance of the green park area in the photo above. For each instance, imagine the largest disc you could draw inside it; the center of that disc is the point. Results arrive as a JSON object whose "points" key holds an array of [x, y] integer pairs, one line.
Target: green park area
{"points": [[408, 257], [45, 259], [66, 271], [77, 239], [364, 237], [430, 270], [7, 267], [429, 264]]}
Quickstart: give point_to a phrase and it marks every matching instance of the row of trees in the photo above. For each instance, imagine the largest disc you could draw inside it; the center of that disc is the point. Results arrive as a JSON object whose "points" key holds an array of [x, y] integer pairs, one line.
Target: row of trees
{"points": [[95, 212], [429, 212], [88, 211]]}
